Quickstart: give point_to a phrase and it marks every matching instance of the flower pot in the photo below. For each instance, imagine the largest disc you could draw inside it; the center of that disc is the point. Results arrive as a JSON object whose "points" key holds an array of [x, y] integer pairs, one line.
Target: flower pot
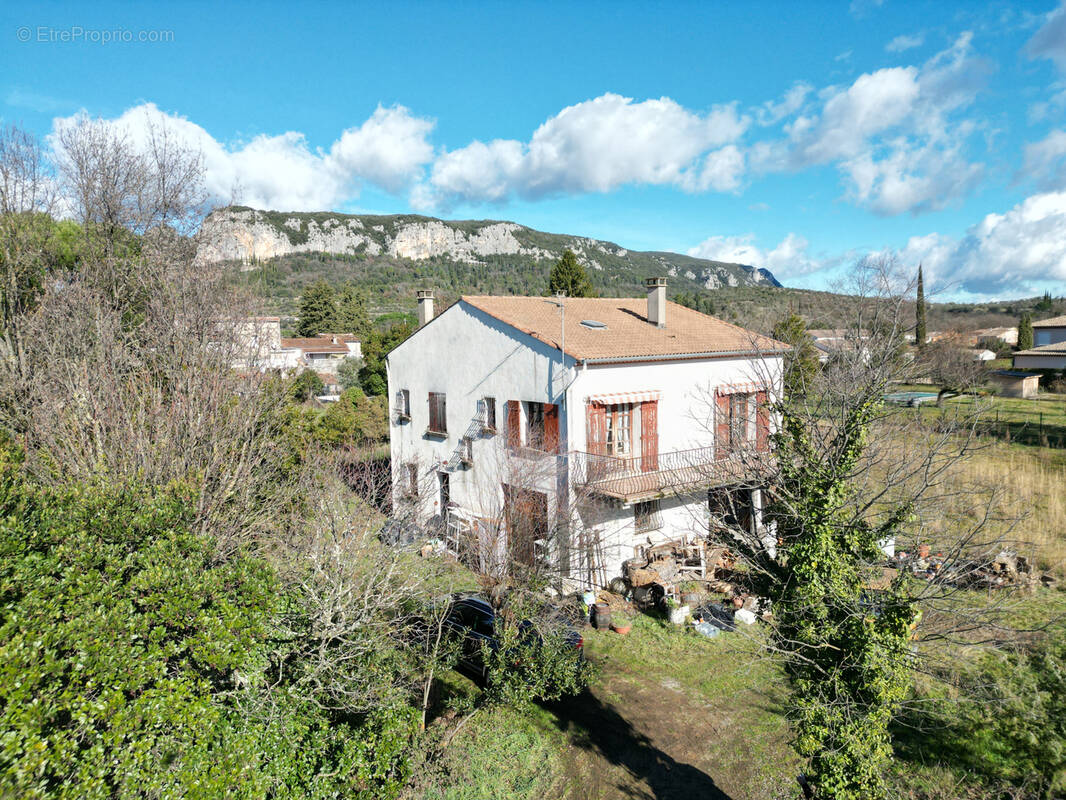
{"points": [[622, 627]]}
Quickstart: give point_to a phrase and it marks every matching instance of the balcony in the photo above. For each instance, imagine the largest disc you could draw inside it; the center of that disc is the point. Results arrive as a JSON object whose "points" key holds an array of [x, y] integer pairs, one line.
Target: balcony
{"points": [[632, 479]]}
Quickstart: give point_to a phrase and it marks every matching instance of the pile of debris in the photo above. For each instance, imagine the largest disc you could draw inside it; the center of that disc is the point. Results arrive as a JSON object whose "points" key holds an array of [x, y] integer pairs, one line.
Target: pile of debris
{"points": [[1005, 569]]}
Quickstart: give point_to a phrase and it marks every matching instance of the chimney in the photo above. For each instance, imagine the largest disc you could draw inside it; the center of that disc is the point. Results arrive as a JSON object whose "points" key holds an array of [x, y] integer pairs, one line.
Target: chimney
{"points": [[656, 301], [425, 306]]}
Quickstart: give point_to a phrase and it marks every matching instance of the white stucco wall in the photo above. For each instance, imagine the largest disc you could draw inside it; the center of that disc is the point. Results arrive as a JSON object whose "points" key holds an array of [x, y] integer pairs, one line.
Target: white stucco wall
{"points": [[468, 355]]}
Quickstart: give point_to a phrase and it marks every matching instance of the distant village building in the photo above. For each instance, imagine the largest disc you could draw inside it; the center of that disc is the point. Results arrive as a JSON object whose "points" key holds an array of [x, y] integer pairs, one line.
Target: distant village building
{"points": [[1049, 331], [1015, 383], [830, 342], [1049, 356], [983, 355], [261, 348], [1008, 335], [578, 432]]}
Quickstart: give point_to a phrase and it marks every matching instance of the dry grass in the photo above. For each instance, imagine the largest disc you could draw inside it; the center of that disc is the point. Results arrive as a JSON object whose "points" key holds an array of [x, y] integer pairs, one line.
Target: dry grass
{"points": [[1032, 486]]}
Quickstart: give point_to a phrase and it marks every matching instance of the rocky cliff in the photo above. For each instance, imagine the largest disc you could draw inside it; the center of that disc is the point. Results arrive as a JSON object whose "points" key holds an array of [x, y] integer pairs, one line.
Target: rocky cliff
{"points": [[251, 237]]}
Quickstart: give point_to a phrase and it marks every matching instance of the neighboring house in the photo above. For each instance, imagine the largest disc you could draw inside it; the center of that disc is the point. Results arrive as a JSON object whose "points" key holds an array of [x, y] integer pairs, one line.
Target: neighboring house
{"points": [[1013, 383], [983, 355], [324, 353], [1049, 331], [1008, 335], [574, 432], [1048, 356], [831, 342], [261, 348]]}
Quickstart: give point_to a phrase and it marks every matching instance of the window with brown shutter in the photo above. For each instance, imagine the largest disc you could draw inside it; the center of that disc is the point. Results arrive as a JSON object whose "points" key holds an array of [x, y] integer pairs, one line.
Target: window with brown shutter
{"points": [[551, 428], [721, 428], [762, 422], [488, 414], [438, 414], [535, 425], [649, 436], [514, 425], [596, 431]]}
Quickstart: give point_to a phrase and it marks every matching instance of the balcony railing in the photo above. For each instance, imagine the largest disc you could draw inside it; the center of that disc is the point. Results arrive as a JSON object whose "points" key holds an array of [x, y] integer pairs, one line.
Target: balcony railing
{"points": [[634, 478]]}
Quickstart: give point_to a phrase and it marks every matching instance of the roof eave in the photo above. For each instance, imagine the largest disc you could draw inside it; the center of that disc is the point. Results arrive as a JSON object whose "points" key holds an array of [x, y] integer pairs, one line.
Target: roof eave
{"points": [[682, 356]]}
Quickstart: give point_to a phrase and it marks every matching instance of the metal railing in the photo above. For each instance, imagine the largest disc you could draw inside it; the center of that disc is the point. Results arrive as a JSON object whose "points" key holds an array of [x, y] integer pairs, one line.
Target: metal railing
{"points": [[634, 477]]}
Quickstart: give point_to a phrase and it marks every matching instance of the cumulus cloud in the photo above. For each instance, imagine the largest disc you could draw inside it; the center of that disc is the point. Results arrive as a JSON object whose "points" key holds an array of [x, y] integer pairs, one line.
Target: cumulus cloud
{"points": [[905, 42], [597, 146], [1045, 161], [773, 111], [788, 259], [282, 171], [1050, 40], [1002, 252]]}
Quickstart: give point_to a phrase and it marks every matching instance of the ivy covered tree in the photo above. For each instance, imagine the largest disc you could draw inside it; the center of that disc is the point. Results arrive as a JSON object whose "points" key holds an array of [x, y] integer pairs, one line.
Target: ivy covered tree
{"points": [[851, 477], [318, 310], [801, 363], [569, 278], [1025, 332]]}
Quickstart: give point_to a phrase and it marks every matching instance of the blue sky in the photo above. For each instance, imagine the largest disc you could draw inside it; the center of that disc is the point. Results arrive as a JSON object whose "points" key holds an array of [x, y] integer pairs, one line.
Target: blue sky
{"points": [[796, 136]]}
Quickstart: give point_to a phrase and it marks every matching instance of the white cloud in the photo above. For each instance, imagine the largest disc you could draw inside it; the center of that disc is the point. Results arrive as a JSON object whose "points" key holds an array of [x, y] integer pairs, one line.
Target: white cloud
{"points": [[1045, 161], [860, 8], [773, 111], [1003, 252], [905, 42], [1050, 40], [282, 171], [788, 259], [597, 146]]}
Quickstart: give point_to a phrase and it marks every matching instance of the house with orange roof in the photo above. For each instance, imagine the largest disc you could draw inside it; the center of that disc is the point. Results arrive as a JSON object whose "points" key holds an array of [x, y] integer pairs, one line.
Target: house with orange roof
{"points": [[574, 434]]}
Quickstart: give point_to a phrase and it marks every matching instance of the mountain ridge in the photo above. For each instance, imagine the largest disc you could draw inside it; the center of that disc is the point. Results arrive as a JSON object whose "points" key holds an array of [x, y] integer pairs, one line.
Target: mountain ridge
{"points": [[250, 237]]}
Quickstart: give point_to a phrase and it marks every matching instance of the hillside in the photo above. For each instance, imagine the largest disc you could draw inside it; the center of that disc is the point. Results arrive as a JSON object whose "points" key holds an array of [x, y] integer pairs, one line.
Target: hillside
{"points": [[386, 253]]}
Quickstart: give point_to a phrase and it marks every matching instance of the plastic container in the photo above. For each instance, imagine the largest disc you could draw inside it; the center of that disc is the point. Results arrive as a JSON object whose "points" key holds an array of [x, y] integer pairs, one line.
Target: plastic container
{"points": [[680, 614]]}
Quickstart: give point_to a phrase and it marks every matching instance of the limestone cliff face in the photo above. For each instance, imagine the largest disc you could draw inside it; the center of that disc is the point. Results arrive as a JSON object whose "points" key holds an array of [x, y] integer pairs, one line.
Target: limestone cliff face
{"points": [[249, 236]]}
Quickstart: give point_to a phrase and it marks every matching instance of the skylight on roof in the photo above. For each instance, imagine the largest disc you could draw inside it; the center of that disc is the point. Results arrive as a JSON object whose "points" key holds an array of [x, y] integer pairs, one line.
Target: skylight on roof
{"points": [[594, 324]]}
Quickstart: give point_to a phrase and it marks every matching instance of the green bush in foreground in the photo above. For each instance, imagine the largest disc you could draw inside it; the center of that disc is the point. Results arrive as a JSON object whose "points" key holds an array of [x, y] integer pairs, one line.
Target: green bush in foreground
{"points": [[135, 663]]}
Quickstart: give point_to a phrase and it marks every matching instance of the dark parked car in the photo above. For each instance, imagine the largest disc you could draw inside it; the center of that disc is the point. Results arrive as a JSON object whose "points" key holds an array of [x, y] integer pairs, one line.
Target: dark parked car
{"points": [[473, 618]]}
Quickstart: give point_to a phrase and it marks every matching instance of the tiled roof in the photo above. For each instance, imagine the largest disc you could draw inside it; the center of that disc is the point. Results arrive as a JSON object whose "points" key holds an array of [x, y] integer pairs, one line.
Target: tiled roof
{"points": [[1057, 349], [627, 334], [315, 344], [1054, 322]]}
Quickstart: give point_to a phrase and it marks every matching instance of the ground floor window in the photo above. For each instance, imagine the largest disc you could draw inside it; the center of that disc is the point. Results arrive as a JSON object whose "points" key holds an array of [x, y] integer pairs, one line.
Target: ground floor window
{"points": [[647, 516]]}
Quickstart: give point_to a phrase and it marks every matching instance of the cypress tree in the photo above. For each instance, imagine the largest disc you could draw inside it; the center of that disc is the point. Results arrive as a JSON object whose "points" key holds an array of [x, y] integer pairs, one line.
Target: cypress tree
{"points": [[1025, 332], [570, 278], [919, 313]]}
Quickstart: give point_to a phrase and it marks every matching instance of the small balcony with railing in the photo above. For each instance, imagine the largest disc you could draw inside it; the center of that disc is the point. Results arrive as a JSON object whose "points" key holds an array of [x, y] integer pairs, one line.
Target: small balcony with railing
{"points": [[635, 478]]}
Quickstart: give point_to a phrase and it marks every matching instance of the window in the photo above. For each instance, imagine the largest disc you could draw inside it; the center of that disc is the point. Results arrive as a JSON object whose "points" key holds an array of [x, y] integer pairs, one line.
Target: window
{"points": [[535, 425], [412, 480], [620, 429], [466, 450], [646, 516], [488, 414], [738, 420], [403, 404], [438, 416]]}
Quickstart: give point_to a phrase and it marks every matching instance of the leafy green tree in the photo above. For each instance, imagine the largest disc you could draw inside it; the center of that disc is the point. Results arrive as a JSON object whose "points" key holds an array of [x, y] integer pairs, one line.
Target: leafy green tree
{"points": [[569, 277], [372, 376], [801, 363], [1025, 332], [352, 315], [348, 372], [920, 331], [305, 386], [353, 419], [318, 310]]}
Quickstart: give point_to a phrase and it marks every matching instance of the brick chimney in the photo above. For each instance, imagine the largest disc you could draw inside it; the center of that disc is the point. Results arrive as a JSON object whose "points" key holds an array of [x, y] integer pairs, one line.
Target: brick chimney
{"points": [[656, 301], [425, 306]]}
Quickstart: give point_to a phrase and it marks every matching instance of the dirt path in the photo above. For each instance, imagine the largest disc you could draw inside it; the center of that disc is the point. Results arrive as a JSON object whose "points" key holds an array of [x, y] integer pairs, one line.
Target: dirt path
{"points": [[634, 737]]}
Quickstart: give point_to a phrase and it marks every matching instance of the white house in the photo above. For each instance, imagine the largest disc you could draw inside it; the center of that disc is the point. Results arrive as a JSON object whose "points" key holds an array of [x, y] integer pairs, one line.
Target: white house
{"points": [[577, 431], [325, 352]]}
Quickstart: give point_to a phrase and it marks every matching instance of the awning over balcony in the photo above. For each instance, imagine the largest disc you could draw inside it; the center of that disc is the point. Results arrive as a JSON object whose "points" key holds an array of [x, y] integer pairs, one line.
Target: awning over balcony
{"points": [[614, 398]]}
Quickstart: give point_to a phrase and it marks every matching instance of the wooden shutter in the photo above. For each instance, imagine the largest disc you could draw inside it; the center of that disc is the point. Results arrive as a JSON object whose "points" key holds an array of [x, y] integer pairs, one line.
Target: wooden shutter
{"points": [[551, 428], [649, 436], [596, 431], [762, 422], [721, 428], [514, 424]]}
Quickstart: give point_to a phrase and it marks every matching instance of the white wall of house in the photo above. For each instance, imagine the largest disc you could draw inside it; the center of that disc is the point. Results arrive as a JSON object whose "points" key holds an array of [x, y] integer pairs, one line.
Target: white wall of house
{"points": [[469, 355]]}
